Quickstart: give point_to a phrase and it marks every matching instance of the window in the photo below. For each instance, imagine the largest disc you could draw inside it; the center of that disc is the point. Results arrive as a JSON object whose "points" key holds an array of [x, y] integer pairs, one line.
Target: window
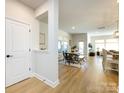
{"points": [[65, 46], [81, 47], [59, 46], [62, 46], [99, 41], [99, 45], [112, 44], [111, 40], [108, 44]]}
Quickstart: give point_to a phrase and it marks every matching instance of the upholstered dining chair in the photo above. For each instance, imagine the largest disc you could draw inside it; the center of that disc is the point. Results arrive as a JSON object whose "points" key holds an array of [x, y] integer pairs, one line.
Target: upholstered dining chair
{"points": [[67, 58]]}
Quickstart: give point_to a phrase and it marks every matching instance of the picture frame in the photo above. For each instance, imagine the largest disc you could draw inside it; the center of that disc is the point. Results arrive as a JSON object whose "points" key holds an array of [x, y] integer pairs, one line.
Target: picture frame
{"points": [[42, 38]]}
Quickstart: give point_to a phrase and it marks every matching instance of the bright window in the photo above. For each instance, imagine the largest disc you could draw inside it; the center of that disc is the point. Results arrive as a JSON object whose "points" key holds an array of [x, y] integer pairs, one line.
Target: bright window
{"points": [[81, 47], [111, 41], [108, 44], [112, 44], [65, 46], [59, 46], [99, 45], [99, 41]]}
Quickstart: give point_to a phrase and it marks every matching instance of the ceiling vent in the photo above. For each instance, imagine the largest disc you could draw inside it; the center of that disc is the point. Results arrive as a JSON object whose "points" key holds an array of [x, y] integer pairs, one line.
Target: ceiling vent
{"points": [[102, 27]]}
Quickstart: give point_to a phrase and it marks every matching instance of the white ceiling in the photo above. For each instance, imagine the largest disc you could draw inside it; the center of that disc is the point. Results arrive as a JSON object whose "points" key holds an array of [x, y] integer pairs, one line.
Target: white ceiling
{"points": [[88, 15], [33, 3], [85, 15]]}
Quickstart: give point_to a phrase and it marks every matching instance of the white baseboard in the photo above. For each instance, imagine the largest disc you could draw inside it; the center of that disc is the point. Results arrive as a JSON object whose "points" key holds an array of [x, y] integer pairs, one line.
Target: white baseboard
{"points": [[46, 81]]}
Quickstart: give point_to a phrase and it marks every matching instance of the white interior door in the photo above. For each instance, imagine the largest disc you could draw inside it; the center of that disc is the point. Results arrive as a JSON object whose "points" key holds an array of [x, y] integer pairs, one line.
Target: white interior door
{"points": [[17, 52]]}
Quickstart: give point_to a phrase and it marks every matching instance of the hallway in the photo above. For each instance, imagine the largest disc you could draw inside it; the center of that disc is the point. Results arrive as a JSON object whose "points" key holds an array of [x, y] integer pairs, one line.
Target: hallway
{"points": [[73, 80]]}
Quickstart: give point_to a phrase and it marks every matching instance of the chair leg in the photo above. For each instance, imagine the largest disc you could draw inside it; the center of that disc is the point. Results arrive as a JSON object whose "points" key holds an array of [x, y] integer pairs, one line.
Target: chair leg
{"points": [[65, 61]]}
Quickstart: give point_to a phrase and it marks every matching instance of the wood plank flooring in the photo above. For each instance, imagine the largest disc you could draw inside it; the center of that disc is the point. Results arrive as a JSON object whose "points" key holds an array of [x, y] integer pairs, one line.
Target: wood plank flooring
{"points": [[73, 80]]}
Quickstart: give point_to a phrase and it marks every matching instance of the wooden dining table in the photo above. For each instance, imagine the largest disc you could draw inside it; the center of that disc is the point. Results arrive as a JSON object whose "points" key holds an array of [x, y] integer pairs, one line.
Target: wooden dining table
{"points": [[80, 56]]}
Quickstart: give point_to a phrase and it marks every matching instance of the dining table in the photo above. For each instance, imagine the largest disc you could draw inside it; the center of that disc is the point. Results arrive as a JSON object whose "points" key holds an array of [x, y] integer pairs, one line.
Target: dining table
{"points": [[80, 56]]}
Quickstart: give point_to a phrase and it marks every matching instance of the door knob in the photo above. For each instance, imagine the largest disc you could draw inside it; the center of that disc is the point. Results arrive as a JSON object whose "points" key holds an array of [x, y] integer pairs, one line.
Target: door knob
{"points": [[9, 56]]}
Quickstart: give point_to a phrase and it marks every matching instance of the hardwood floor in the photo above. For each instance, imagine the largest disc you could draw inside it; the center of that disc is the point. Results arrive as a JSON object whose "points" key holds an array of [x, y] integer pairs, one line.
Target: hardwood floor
{"points": [[73, 80]]}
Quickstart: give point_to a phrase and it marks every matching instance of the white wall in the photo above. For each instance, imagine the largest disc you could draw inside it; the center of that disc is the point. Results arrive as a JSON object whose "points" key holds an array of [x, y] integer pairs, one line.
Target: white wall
{"points": [[18, 11], [64, 36], [22, 13], [45, 64], [42, 9]]}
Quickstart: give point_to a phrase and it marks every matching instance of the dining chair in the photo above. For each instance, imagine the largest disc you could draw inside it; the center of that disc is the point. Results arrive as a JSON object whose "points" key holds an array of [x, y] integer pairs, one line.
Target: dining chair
{"points": [[67, 58]]}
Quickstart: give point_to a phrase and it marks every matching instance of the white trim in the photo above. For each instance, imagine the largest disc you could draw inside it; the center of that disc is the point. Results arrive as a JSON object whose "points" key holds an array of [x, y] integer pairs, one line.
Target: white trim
{"points": [[16, 20], [46, 80]]}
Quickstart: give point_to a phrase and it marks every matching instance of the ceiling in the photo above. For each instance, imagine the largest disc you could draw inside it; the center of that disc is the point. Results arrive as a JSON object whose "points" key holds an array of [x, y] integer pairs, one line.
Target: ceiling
{"points": [[88, 15], [33, 3], [84, 15], [43, 18]]}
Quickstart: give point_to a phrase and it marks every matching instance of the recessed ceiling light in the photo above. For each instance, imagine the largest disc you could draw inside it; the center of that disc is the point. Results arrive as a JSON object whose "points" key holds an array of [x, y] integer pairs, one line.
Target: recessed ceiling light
{"points": [[73, 27]]}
